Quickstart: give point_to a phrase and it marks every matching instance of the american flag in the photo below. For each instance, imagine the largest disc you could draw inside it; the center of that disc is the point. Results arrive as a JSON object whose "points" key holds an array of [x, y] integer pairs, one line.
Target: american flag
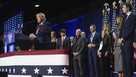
{"points": [[134, 6], [11, 26], [52, 63]]}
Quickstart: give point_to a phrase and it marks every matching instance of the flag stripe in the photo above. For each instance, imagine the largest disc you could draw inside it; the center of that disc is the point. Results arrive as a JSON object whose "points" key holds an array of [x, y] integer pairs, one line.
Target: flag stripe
{"points": [[31, 76], [60, 59], [19, 76], [40, 52], [27, 64], [55, 76]]}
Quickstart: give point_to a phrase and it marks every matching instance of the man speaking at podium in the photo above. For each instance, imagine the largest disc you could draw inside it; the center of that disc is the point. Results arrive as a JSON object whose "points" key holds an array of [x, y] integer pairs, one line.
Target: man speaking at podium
{"points": [[41, 37]]}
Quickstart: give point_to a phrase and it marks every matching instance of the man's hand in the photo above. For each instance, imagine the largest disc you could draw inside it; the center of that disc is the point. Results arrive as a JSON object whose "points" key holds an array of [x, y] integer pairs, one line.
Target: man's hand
{"points": [[75, 53], [106, 54], [134, 44], [91, 45], [120, 40], [99, 54], [32, 36]]}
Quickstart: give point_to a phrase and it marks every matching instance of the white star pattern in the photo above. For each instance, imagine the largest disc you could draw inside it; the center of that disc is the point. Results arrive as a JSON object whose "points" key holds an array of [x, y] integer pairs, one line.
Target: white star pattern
{"points": [[50, 70], [23, 70], [36, 70], [64, 71]]}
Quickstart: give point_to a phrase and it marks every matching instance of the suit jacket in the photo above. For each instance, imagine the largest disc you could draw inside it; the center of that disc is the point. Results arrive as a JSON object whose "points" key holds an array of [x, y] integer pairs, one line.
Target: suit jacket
{"points": [[128, 27], [135, 35], [96, 40], [43, 35], [1, 46], [66, 44], [79, 45]]}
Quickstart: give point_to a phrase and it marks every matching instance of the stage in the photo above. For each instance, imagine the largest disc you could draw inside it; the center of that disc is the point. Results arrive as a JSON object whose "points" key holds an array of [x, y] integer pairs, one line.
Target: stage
{"points": [[48, 63]]}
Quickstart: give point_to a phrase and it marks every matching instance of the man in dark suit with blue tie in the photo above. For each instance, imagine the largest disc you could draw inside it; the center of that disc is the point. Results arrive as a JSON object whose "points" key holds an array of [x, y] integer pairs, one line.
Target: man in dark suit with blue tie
{"points": [[42, 34], [93, 44], [127, 40]]}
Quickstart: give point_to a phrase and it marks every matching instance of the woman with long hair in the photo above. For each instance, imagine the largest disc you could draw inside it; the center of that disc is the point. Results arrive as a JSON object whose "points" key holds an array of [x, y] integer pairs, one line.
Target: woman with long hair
{"points": [[118, 66], [104, 53]]}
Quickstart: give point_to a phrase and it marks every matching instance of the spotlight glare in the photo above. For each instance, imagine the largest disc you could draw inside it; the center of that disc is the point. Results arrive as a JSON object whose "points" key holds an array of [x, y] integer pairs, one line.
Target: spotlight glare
{"points": [[37, 5]]}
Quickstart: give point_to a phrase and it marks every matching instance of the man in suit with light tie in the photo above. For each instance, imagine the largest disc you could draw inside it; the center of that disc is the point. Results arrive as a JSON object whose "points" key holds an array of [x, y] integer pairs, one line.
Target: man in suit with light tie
{"points": [[79, 46], [63, 42], [127, 40], [93, 45]]}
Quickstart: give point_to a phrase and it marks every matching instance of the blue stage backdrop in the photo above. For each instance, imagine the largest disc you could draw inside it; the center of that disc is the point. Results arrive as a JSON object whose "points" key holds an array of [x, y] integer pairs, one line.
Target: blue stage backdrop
{"points": [[83, 22], [14, 24]]}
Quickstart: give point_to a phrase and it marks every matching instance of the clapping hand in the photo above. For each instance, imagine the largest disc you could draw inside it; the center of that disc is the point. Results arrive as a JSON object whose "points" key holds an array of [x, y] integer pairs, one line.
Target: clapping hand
{"points": [[134, 44], [91, 45], [99, 54], [32, 36]]}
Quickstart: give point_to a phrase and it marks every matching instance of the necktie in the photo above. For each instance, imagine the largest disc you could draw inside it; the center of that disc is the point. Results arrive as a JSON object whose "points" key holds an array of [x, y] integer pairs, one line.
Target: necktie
{"points": [[62, 41], [91, 39]]}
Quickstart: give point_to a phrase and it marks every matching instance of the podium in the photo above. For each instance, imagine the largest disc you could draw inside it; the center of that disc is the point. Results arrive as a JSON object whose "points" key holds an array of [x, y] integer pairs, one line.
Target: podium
{"points": [[44, 63]]}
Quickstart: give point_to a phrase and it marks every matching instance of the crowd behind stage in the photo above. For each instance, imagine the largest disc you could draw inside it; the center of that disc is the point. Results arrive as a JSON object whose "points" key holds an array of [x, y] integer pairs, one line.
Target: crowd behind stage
{"points": [[98, 53]]}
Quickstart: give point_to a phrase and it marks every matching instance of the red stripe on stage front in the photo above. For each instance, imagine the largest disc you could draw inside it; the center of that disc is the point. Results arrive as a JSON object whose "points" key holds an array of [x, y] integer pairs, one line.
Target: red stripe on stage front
{"points": [[38, 52]]}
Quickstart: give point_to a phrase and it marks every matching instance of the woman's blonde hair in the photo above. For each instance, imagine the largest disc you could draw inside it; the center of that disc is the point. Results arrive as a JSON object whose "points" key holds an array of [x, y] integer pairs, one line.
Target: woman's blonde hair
{"points": [[106, 28], [119, 21]]}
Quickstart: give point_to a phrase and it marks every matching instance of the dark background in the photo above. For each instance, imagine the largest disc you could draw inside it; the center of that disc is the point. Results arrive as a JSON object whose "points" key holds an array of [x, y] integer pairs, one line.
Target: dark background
{"points": [[57, 11]]}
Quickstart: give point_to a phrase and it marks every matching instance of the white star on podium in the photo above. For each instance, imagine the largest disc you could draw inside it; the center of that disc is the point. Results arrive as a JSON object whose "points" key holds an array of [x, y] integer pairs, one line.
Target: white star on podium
{"points": [[6, 70], [50, 70], [64, 71], [9, 70], [14, 70], [23, 70], [36, 71]]}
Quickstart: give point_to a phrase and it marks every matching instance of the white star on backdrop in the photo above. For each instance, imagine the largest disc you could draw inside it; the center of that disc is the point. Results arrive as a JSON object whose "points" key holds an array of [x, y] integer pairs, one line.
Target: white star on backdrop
{"points": [[23, 70], [50, 70], [36, 70], [64, 71]]}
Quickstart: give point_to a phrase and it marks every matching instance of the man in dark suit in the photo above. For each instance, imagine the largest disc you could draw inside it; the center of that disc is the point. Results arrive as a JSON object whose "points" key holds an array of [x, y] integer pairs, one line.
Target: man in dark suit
{"points": [[79, 46], [63, 42], [127, 39], [134, 46], [1, 43], [93, 44], [42, 34], [134, 42]]}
